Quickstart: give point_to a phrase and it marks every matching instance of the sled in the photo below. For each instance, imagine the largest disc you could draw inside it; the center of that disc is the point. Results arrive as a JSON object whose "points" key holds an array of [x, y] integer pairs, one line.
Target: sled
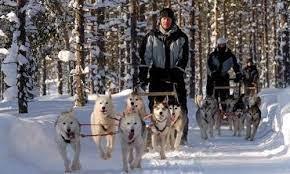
{"points": [[238, 87]]}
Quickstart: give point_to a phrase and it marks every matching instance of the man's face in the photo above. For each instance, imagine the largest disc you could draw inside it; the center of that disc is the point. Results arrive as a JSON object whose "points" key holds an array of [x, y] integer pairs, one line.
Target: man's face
{"points": [[222, 47], [166, 22], [249, 63]]}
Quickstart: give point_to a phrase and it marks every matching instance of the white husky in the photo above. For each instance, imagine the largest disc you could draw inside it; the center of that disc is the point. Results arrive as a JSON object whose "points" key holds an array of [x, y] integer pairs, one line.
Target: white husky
{"points": [[103, 122], [131, 140], [135, 103], [68, 133]]}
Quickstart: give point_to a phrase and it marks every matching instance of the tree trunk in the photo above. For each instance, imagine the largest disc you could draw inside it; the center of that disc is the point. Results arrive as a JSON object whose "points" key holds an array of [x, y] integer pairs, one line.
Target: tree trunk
{"points": [[179, 13], [59, 78], [266, 44], [200, 53], [274, 44], [22, 78], [283, 65], [208, 16], [101, 59], [79, 27], [154, 16], [133, 44], [44, 74], [215, 32], [192, 50], [224, 19]]}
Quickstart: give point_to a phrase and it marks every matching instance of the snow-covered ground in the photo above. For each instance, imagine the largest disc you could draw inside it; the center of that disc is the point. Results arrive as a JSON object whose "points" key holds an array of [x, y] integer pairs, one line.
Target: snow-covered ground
{"points": [[27, 142]]}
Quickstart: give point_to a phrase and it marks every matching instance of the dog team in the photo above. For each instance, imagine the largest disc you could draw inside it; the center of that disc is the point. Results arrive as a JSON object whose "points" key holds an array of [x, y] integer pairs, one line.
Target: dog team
{"points": [[239, 112], [159, 131]]}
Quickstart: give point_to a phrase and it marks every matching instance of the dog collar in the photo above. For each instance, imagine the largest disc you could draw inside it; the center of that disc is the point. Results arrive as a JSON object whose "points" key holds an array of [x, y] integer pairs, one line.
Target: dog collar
{"points": [[65, 140], [104, 128], [130, 142], [159, 129]]}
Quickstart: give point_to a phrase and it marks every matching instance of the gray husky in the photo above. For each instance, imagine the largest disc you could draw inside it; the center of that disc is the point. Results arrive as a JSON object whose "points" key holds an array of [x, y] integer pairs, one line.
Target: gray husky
{"points": [[253, 117], [206, 115]]}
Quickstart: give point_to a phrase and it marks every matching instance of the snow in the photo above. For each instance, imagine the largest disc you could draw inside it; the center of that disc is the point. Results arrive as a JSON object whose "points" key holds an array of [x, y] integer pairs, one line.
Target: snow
{"points": [[2, 34], [66, 56], [30, 148], [22, 59], [3, 51], [12, 17], [10, 93], [8, 3]]}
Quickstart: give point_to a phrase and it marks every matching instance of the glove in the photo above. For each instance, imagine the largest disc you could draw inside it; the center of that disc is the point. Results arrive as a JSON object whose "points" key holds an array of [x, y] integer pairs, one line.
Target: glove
{"points": [[176, 74], [143, 75], [238, 78], [214, 75]]}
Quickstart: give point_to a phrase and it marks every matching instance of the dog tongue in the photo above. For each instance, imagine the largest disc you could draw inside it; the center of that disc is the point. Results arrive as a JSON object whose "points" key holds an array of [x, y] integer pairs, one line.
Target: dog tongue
{"points": [[131, 135], [71, 135]]}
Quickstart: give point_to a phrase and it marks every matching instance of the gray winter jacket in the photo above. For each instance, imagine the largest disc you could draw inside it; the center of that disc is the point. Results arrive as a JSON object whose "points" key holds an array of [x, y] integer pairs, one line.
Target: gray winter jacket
{"points": [[165, 50], [221, 63]]}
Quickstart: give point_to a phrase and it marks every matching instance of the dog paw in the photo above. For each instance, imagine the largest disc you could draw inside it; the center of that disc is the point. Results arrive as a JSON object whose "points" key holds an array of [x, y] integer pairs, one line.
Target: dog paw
{"points": [[67, 171], [104, 156], [163, 157], [76, 166], [125, 171], [109, 155]]}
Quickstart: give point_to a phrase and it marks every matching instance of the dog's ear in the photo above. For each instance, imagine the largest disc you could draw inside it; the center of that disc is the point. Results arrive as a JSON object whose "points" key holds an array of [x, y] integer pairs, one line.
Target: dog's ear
{"points": [[109, 94], [135, 91], [155, 102]]}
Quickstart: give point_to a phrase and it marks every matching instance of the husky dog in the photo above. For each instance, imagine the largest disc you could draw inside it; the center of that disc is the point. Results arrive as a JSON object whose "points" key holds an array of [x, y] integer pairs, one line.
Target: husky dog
{"points": [[177, 123], [206, 115], [136, 104], [160, 126], [131, 140], [229, 110], [239, 115], [103, 122], [253, 117], [68, 133]]}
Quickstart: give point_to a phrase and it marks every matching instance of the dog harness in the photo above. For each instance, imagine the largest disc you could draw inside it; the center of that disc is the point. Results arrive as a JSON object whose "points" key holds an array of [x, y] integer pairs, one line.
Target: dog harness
{"points": [[65, 140], [131, 142], [104, 128], [160, 130]]}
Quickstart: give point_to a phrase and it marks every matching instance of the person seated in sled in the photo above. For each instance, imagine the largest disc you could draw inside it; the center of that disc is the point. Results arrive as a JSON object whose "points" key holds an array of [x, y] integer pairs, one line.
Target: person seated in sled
{"points": [[251, 75], [220, 61], [165, 50]]}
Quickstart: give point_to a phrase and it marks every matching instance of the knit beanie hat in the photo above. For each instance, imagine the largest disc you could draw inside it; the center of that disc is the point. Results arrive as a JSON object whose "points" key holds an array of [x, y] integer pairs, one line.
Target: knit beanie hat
{"points": [[167, 12]]}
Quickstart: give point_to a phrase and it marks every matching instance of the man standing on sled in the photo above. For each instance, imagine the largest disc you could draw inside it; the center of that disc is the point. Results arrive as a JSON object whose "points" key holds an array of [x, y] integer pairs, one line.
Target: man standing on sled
{"points": [[165, 50], [220, 61], [251, 76]]}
